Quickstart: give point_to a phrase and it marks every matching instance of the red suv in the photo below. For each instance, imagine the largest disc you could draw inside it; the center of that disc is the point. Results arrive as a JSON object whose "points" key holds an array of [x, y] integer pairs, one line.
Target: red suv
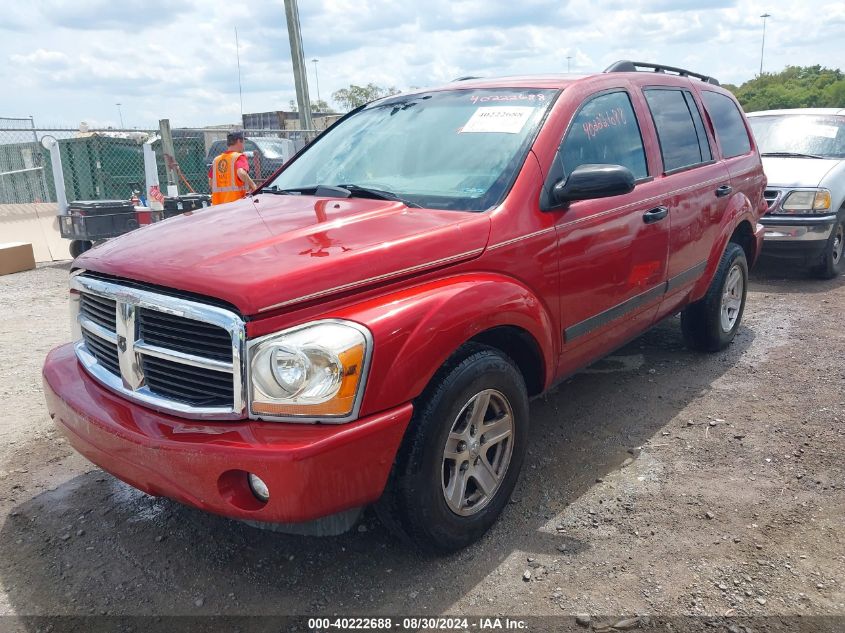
{"points": [[369, 326]]}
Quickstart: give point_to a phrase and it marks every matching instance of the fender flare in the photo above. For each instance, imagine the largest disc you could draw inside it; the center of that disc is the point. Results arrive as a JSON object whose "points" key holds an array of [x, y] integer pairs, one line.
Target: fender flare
{"points": [[416, 330]]}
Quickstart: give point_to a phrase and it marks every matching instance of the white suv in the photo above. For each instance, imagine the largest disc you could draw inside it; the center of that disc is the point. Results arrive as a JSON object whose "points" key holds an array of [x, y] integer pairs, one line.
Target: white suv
{"points": [[803, 154]]}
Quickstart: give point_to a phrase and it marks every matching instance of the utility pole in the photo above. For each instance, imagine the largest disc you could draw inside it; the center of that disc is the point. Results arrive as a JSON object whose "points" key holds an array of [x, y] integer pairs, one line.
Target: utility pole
{"points": [[316, 77], [763, 45], [167, 152], [298, 59]]}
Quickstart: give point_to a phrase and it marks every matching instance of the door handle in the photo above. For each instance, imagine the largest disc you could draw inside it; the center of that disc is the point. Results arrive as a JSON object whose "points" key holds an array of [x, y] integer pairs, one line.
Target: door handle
{"points": [[724, 190], [655, 215]]}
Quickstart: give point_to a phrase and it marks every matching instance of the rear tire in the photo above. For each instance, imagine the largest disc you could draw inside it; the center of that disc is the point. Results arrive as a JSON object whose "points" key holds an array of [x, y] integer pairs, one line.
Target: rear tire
{"points": [[77, 247], [710, 324], [462, 453], [833, 260]]}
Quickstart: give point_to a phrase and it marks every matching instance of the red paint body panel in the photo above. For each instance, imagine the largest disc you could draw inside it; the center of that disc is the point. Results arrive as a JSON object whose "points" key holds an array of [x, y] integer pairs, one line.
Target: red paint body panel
{"points": [[258, 253], [423, 282], [311, 470]]}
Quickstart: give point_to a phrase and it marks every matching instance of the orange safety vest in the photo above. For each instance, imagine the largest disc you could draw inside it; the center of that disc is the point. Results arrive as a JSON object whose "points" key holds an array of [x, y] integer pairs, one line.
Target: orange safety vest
{"points": [[225, 184]]}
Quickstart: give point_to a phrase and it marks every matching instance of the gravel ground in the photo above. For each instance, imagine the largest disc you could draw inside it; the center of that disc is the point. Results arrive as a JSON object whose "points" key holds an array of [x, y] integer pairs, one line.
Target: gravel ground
{"points": [[658, 482]]}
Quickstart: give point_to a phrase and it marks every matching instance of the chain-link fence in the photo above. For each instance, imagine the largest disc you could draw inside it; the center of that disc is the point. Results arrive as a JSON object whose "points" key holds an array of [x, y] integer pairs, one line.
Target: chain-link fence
{"points": [[109, 164], [43, 169], [22, 174]]}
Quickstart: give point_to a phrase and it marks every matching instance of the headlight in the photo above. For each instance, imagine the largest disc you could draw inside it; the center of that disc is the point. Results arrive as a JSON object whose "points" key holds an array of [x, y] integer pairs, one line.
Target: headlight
{"points": [[313, 371], [807, 201]]}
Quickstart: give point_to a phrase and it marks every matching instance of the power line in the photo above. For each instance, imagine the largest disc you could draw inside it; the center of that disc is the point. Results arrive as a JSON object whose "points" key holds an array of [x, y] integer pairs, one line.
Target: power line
{"points": [[238, 57]]}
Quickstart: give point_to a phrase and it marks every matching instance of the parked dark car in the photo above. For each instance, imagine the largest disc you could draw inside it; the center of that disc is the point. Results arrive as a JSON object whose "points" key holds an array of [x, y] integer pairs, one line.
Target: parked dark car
{"points": [[266, 155]]}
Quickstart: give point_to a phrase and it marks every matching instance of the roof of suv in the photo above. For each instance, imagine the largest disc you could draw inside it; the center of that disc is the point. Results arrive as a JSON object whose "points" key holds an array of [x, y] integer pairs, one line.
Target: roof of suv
{"points": [[561, 80], [519, 81], [827, 111]]}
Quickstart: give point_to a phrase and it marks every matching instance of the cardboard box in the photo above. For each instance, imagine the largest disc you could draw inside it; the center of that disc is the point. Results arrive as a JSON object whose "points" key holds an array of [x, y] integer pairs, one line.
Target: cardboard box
{"points": [[15, 257]]}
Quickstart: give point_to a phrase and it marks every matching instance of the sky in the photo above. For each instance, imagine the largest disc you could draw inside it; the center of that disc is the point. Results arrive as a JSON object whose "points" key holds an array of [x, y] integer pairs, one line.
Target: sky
{"points": [[64, 62]]}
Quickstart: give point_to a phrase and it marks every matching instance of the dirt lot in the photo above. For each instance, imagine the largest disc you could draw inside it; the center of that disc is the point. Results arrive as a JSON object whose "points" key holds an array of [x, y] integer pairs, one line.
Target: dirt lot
{"points": [[658, 482]]}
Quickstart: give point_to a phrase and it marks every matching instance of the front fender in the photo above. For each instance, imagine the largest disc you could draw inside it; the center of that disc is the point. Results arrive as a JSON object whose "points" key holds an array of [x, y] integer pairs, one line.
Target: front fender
{"points": [[417, 329], [739, 210]]}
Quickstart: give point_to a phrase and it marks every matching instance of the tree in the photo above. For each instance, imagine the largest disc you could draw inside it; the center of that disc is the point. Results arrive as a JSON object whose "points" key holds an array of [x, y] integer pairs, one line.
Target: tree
{"points": [[793, 87], [354, 96], [316, 106]]}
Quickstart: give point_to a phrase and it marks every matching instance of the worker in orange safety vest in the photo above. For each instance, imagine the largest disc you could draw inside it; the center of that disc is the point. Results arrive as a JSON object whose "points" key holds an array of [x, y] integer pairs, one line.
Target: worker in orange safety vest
{"points": [[228, 176]]}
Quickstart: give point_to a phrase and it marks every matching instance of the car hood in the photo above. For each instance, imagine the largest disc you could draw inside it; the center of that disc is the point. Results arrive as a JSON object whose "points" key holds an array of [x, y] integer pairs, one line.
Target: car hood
{"points": [[273, 251], [796, 172]]}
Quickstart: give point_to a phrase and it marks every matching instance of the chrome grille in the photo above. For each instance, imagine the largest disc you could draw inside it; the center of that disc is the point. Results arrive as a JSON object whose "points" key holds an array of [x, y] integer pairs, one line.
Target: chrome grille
{"points": [[100, 310], [186, 335], [193, 385], [170, 353], [104, 351]]}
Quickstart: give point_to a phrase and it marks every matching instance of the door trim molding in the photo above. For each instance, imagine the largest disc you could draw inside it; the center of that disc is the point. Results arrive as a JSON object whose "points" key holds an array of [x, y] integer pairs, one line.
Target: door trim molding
{"points": [[629, 305]]}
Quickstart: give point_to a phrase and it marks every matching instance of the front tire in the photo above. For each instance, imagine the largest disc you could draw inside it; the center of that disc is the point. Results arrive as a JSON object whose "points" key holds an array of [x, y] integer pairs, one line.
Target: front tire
{"points": [[833, 260], [462, 453], [710, 324]]}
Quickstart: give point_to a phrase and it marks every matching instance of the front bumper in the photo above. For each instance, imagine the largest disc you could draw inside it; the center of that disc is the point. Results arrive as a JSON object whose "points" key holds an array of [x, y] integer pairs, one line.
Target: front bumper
{"points": [[312, 471], [796, 236]]}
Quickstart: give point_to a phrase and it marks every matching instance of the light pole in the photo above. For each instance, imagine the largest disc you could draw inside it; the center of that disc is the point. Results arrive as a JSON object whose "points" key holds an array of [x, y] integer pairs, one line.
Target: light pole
{"points": [[316, 78], [568, 64], [298, 62], [120, 114], [763, 45]]}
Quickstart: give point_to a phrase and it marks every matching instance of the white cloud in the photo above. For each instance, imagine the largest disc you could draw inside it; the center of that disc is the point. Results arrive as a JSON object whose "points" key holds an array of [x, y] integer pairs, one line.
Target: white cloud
{"points": [[72, 61]]}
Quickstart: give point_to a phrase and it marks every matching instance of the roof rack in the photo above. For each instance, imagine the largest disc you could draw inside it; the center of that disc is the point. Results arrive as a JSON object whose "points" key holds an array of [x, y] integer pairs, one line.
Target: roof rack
{"points": [[626, 66], [466, 78]]}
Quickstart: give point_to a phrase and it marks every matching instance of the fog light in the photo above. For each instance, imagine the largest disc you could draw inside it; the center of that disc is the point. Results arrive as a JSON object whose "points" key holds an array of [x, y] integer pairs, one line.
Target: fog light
{"points": [[259, 488]]}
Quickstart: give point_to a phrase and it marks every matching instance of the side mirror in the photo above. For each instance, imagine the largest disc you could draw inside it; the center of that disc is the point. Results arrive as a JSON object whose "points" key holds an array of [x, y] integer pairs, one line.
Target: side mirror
{"points": [[593, 181]]}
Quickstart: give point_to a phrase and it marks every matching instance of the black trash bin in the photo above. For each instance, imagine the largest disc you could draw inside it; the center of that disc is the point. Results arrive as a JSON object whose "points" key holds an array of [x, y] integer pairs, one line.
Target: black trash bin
{"points": [[97, 219]]}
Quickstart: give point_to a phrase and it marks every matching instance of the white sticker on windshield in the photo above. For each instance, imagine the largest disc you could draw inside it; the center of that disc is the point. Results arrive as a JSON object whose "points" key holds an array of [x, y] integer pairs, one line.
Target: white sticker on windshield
{"points": [[502, 119], [828, 131]]}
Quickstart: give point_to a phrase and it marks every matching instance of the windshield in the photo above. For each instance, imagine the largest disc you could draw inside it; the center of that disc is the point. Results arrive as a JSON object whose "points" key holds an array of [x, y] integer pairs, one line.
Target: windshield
{"points": [[814, 135], [458, 149]]}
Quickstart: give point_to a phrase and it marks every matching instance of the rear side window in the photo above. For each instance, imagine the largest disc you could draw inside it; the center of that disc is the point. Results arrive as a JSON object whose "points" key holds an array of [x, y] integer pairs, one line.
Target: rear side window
{"points": [[680, 131], [727, 121], [605, 131]]}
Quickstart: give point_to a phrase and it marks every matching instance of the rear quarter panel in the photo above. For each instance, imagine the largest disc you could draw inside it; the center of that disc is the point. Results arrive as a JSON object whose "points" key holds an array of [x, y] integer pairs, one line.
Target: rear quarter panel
{"points": [[746, 203]]}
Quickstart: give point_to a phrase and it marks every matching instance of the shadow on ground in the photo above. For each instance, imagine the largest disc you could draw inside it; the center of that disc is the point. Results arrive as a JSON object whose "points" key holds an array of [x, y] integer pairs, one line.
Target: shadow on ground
{"points": [[790, 278], [96, 546]]}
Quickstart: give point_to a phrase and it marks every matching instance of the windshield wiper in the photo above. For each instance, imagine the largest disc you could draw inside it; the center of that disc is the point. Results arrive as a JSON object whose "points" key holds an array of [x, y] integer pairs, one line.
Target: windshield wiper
{"points": [[340, 191], [791, 155], [379, 194], [294, 190]]}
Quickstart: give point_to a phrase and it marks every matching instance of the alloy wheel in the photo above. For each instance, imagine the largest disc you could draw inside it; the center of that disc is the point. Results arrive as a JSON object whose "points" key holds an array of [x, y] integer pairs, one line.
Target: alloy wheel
{"points": [[477, 452], [836, 251], [732, 298]]}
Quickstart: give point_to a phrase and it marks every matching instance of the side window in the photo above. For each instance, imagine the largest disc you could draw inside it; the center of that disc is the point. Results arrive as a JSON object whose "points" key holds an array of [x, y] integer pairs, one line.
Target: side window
{"points": [[680, 132], [605, 130], [727, 121]]}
